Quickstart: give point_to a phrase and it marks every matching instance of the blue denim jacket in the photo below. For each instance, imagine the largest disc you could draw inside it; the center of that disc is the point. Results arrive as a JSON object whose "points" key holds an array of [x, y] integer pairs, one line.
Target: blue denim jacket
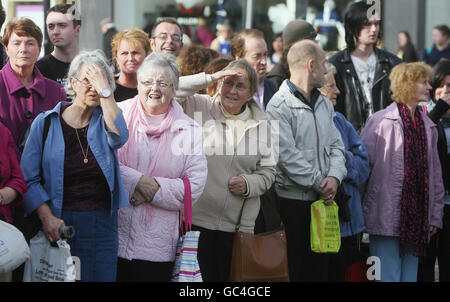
{"points": [[357, 164], [104, 145]]}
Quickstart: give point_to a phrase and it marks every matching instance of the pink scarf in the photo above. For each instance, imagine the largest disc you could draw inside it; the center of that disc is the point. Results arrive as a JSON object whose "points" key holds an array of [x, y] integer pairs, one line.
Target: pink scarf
{"points": [[139, 120]]}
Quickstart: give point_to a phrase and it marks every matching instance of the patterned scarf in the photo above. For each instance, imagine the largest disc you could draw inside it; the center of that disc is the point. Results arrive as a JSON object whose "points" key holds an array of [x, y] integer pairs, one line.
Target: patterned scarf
{"points": [[414, 202]]}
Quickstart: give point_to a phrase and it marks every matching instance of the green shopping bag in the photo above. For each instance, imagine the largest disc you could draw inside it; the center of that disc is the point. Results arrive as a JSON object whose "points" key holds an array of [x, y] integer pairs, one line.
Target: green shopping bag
{"points": [[325, 230]]}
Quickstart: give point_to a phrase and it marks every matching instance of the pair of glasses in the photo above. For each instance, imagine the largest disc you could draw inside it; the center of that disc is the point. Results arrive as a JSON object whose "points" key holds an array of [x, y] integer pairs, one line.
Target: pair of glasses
{"points": [[239, 86], [85, 83], [165, 36], [159, 84]]}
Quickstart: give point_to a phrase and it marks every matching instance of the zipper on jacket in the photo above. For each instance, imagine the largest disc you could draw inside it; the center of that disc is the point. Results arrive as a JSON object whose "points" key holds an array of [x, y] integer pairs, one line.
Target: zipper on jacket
{"points": [[317, 136], [382, 77]]}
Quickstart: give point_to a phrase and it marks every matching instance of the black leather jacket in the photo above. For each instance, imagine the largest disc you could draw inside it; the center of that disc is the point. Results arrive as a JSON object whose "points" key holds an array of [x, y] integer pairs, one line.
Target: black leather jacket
{"points": [[351, 101]]}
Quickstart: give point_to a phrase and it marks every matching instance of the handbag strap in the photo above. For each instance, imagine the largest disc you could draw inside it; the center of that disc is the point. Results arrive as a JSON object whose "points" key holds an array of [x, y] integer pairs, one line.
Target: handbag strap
{"points": [[187, 206], [238, 226]]}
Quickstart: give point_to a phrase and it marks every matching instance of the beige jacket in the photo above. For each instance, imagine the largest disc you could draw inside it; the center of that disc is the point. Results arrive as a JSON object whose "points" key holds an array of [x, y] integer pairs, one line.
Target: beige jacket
{"points": [[254, 158]]}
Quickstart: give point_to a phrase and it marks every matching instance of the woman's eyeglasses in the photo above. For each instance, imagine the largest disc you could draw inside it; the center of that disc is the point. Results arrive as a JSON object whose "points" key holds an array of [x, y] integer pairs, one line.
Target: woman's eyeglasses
{"points": [[85, 83], [159, 84]]}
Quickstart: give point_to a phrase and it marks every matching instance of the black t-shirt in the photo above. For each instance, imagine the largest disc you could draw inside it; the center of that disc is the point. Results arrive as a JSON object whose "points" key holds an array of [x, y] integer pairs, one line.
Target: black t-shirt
{"points": [[123, 93], [53, 69]]}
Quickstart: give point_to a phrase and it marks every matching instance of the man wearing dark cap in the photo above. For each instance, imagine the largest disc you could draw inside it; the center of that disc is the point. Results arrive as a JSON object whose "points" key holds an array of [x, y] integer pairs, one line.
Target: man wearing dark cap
{"points": [[362, 69], [295, 31]]}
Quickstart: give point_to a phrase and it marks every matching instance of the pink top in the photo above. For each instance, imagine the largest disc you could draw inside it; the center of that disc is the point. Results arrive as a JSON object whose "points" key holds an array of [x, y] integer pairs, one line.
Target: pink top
{"points": [[20, 105], [150, 231]]}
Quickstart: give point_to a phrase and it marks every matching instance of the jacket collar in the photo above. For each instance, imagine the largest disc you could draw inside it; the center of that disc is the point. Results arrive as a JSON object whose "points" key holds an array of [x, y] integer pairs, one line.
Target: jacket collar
{"points": [[380, 55], [294, 101], [57, 111], [14, 85], [393, 113], [380, 71]]}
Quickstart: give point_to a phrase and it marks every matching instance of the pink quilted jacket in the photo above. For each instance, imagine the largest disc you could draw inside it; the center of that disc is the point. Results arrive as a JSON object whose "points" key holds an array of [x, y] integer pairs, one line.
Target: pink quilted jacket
{"points": [[154, 237]]}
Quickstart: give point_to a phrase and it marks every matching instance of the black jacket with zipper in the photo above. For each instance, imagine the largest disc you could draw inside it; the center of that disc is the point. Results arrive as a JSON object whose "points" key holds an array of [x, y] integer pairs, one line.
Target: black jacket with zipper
{"points": [[351, 101]]}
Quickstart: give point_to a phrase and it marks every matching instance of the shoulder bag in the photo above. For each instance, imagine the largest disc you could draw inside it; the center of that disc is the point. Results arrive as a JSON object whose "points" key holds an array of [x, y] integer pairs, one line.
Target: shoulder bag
{"points": [[259, 258]]}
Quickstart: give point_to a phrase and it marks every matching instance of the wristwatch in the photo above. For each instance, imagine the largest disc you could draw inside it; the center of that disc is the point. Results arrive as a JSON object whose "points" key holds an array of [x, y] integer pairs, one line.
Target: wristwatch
{"points": [[105, 93]]}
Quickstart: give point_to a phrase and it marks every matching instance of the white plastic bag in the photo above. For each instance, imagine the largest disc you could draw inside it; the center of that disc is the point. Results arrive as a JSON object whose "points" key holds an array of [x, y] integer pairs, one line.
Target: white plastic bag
{"points": [[48, 263], [14, 249]]}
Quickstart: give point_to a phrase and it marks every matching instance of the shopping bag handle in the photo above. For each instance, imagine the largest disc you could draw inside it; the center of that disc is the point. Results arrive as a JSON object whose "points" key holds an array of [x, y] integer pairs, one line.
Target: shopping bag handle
{"points": [[187, 206]]}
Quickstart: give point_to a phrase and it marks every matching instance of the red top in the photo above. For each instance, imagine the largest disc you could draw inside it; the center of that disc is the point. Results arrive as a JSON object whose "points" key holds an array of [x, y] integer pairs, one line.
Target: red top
{"points": [[10, 173]]}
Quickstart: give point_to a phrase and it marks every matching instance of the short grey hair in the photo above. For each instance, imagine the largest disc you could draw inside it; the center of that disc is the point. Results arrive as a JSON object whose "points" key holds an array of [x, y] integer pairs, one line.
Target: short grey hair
{"points": [[161, 60], [331, 69], [89, 57]]}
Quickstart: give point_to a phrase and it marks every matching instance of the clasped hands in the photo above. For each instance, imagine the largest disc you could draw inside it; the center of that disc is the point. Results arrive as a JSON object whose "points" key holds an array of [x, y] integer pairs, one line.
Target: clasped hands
{"points": [[145, 191]]}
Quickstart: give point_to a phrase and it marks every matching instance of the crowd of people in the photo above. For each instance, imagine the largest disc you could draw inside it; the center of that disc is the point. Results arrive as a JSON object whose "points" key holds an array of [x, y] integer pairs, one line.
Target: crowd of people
{"points": [[106, 144]]}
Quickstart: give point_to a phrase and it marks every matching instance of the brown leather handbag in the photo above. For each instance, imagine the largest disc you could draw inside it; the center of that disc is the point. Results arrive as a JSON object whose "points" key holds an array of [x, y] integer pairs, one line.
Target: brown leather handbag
{"points": [[259, 258]]}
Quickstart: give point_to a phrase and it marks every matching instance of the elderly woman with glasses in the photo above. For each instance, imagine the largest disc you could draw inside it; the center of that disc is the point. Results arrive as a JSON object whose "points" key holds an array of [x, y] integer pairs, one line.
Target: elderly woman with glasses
{"points": [[241, 166], [72, 170], [164, 149]]}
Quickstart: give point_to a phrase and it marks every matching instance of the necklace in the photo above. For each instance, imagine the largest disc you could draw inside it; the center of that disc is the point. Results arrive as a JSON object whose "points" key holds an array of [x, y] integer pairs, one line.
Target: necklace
{"points": [[85, 155]]}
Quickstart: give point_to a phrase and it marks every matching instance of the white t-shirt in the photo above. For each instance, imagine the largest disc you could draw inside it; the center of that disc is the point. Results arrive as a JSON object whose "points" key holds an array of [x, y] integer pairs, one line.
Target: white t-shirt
{"points": [[366, 75]]}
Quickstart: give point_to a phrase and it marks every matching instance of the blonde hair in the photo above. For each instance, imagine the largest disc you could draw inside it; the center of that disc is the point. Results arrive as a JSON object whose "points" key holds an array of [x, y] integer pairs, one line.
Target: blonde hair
{"points": [[134, 36], [404, 78]]}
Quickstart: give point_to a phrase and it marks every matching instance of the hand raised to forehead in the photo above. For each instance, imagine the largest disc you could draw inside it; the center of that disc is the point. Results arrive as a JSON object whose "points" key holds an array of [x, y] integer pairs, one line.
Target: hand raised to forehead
{"points": [[225, 73], [97, 77]]}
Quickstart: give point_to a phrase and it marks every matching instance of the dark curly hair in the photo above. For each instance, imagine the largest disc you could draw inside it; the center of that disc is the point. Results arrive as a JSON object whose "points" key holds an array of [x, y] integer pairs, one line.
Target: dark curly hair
{"points": [[194, 59]]}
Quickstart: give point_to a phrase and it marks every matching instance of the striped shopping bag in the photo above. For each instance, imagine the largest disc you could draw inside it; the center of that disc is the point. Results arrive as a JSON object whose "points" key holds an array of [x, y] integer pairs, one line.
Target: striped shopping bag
{"points": [[186, 267]]}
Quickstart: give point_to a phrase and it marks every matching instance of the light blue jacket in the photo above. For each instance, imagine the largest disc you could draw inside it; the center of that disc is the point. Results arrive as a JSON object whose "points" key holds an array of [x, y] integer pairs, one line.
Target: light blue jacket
{"points": [[357, 164], [104, 145]]}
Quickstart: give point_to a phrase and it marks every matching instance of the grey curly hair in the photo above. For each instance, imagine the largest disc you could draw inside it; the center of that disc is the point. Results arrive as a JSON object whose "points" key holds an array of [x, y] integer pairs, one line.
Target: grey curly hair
{"points": [[161, 60], [89, 57]]}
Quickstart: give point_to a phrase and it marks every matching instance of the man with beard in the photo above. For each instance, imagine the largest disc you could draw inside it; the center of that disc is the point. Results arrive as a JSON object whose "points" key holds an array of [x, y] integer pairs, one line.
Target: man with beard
{"points": [[311, 156], [63, 31]]}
